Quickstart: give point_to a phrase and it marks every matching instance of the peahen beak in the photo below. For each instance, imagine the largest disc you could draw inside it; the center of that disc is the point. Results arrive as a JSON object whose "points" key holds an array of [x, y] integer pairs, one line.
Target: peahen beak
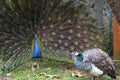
{"points": [[75, 53]]}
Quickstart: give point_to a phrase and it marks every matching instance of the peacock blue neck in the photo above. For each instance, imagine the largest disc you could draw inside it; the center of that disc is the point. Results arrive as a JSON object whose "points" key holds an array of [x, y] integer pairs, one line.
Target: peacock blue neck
{"points": [[36, 49]]}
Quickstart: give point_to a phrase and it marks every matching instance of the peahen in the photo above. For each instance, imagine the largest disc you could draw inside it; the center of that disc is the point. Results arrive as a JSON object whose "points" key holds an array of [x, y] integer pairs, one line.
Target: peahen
{"points": [[45, 28], [96, 62]]}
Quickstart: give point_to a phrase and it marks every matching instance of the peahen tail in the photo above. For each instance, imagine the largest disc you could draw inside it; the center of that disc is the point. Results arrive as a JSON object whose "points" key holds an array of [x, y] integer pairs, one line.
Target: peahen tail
{"points": [[61, 26]]}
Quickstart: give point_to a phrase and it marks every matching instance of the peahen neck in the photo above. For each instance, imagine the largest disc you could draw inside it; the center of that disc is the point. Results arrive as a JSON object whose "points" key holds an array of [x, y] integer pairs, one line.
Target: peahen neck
{"points": [[80, 57], [36, 49]]}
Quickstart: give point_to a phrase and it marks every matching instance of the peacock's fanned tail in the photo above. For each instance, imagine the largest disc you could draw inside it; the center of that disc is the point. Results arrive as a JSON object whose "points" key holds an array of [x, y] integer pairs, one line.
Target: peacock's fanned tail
{"points": [[62, 26]]}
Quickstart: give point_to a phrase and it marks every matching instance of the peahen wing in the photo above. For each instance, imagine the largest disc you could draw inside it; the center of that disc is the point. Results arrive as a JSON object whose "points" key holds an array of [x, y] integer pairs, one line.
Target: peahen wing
{"points": [[102, 61]]}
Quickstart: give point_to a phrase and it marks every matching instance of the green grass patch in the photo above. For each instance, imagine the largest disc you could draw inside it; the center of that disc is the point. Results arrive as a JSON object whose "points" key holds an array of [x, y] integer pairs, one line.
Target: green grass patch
{"points": [[62, 69]]}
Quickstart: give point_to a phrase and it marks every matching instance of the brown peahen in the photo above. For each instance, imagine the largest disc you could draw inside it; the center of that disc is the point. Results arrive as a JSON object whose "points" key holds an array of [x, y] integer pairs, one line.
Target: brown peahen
{"points": [[45, 28], [96, 62]]}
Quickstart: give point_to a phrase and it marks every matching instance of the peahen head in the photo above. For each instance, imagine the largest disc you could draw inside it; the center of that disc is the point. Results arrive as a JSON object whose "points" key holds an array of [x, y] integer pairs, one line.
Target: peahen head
{"points": [[78, 56]]}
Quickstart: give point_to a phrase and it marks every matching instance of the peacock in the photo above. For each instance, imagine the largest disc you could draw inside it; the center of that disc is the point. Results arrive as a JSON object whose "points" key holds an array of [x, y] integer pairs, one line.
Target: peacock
{"points": [[45, 28], [96, 62]]}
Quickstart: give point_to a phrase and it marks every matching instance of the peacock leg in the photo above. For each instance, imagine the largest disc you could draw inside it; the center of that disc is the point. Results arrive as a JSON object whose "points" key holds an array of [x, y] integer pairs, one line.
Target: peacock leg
{"points": [[35, 65]]}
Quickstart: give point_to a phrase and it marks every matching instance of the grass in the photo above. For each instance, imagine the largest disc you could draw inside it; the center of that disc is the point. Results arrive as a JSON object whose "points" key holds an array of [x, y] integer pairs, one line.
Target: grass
{"points": [[62, 69]]}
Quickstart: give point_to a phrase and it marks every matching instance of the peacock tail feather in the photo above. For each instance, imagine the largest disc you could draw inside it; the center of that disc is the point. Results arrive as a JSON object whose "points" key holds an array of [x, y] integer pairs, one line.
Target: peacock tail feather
{"points": [[32, 44], [62, 26]]}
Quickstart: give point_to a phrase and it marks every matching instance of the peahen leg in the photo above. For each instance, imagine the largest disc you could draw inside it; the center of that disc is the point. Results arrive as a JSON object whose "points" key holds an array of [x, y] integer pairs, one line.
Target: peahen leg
{"points": [[94, 78], [97, 78], [100, 78]]}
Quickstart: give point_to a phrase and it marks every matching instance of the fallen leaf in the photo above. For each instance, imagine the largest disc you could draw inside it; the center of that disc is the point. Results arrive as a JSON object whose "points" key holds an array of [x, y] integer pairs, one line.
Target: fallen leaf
{"points": [[48, 68], [77, 74], [118, 77], [49, 75], [8, 74], [35, 66]]}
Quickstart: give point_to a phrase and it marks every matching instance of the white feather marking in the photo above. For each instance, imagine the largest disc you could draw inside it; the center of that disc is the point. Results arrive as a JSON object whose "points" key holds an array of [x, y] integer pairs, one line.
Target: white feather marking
{"points": [[95, 71], [75, 53]]}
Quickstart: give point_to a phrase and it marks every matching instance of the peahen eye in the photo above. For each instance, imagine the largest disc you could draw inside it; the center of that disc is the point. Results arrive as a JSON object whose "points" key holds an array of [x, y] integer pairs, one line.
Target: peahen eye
{"points": [[80, 57]]}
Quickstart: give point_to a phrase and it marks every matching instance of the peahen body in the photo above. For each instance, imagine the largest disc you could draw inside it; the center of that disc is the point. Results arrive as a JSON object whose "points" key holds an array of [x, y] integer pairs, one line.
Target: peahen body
{"points": [[96, 62], [45, 28]]}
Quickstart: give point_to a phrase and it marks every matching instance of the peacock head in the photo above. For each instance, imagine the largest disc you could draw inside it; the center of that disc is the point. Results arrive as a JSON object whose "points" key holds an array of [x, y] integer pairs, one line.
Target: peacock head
{"points": [[36, 36]]}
